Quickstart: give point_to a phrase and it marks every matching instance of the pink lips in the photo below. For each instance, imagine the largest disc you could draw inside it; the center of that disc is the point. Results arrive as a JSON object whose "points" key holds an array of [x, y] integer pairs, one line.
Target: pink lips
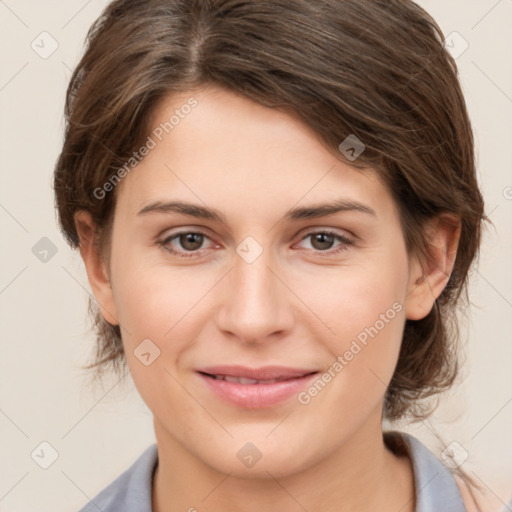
{"points": [[255, 388]]}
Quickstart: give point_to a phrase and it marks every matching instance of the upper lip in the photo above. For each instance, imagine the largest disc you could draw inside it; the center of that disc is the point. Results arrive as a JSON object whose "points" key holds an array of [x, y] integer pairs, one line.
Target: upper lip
{"points": [[263, 373]]}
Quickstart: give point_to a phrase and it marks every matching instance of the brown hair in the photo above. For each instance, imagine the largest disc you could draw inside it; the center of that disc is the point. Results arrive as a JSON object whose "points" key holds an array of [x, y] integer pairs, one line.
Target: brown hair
{"points": [[375, 69]]}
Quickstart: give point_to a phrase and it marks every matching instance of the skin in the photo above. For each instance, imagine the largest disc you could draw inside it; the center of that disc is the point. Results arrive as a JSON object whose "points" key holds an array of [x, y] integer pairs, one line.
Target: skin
{"points": [[296, 305]]}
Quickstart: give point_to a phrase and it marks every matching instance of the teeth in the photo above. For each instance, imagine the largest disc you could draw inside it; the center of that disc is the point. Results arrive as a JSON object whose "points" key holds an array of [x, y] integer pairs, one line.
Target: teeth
{"points": [[230, 379], [243, 380]]}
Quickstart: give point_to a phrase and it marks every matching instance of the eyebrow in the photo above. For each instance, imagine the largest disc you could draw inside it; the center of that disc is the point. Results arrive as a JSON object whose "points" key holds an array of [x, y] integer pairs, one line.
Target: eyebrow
{"points": [[306, 212]]}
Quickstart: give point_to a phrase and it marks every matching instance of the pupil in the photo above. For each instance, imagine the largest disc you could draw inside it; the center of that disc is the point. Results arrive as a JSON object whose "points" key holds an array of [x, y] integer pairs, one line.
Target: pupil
{"points": [[191, 241], [324, 239]]}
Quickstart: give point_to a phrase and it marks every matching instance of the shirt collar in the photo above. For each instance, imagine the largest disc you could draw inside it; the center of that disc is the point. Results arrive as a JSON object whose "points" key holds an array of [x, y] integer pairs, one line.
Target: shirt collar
{"points": [[435, 487]]}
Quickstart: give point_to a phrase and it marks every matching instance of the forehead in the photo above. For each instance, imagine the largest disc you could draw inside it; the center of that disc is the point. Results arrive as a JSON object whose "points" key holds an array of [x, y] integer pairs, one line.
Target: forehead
{"points": [[221, 148]]}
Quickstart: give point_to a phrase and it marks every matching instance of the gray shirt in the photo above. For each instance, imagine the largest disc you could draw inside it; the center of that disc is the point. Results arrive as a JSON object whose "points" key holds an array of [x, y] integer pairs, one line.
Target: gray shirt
{"points": [[436, 488]]}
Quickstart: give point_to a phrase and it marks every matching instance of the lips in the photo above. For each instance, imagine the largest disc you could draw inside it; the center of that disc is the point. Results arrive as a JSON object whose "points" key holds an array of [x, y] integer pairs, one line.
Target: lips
{"points": [[255, 387], [243, 380], [266, 373]]}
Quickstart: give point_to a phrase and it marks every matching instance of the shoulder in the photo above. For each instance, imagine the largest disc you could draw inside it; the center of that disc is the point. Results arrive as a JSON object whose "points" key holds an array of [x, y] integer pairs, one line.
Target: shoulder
{"points": [[477, 499], [467, 496], [442, 483], [436, 487], [131, 491]]}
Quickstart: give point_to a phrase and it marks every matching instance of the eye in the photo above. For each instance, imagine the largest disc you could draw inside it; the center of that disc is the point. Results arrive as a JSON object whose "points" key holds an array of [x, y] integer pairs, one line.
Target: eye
{"points": [[184, 242], [323, 241]]}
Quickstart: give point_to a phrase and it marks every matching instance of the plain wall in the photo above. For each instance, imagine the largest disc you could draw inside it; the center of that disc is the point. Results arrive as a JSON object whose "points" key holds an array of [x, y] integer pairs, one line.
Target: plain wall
{"points": [[44, 393]]}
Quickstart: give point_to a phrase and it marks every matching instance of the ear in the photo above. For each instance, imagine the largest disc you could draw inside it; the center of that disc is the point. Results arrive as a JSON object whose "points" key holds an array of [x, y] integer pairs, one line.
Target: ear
{"points": [[96, 268], [427, 279]]}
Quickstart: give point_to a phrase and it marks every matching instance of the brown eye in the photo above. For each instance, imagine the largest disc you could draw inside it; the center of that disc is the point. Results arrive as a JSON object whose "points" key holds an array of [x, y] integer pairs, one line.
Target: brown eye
{"points": [[327, 242], [191, 241], [322, 241], [185, 243]]}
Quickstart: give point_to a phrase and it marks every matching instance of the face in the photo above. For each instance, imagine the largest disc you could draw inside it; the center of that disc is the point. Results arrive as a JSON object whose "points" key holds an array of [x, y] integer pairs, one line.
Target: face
{"points": [[268, 307]]}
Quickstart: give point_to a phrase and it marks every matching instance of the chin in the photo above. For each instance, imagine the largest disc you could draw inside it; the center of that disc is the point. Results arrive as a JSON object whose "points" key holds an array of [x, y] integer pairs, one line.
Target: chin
{"points": [[263, 459]]}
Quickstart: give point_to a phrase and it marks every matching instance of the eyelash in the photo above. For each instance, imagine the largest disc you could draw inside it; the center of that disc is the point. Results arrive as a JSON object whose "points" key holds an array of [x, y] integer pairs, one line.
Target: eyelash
{"points": [[188, 254]]}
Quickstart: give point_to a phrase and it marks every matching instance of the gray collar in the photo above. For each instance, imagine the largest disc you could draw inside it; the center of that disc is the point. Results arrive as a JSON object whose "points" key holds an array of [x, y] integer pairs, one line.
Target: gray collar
{"points": [[436, 488]]}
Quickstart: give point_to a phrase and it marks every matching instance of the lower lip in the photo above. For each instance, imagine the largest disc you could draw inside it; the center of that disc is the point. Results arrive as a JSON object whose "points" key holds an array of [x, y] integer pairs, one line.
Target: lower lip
{"points": [[257, 396]]}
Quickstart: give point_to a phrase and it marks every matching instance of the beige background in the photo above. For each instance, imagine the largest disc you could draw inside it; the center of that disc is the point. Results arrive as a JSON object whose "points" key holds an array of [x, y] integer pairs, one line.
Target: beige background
{"points": [[45, 396]]}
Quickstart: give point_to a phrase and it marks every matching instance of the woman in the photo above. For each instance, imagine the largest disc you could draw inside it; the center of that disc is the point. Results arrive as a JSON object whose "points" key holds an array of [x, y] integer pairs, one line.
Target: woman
{"points": [[277, 208]]}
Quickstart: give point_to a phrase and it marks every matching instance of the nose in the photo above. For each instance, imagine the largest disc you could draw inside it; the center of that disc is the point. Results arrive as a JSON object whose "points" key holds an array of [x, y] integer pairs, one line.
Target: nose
{"points": [[256, 303]]}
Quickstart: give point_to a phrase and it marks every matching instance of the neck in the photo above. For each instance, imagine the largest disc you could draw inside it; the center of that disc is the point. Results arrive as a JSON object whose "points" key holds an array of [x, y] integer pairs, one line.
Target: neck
{"points": [[361, 475]]}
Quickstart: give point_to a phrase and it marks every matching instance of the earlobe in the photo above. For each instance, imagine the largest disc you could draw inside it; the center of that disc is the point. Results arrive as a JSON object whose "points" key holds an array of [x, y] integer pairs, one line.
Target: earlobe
{"points": [[429, 278], [95, 266]]}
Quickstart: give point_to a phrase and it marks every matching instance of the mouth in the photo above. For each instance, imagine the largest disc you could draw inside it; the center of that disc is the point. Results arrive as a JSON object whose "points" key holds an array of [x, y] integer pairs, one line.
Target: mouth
{"points": [[255, 388], [243, 380]]}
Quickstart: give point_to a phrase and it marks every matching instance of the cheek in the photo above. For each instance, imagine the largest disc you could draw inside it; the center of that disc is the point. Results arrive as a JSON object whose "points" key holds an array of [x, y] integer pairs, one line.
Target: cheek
{"points": [[349, 299], [156, 301], [159, 304], [363, 307]]}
